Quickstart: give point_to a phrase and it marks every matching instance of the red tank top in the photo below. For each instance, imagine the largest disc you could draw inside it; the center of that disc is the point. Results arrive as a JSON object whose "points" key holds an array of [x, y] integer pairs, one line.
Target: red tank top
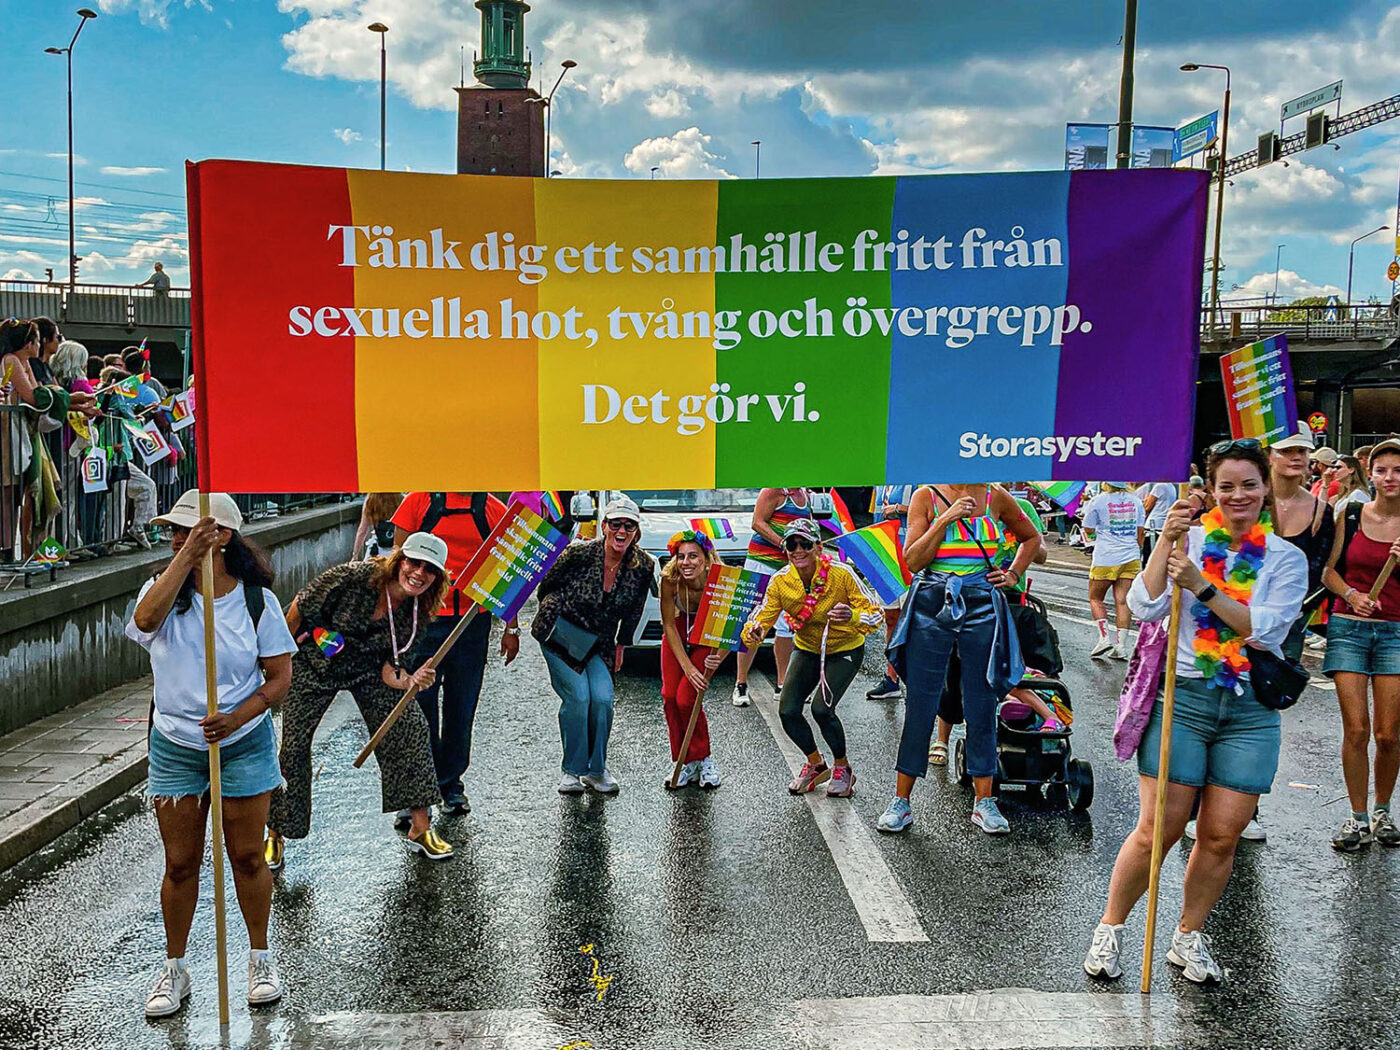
{"points": [[1364, 559]]}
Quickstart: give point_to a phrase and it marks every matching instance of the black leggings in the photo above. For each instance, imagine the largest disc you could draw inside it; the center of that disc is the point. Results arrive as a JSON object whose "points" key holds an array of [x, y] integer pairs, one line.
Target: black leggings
{"points": [[803, 678]]}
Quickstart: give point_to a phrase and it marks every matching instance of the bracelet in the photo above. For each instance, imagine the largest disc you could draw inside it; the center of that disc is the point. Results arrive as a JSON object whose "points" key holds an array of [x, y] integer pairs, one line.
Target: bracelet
{"points": [[514, 632], [1347, 597]]}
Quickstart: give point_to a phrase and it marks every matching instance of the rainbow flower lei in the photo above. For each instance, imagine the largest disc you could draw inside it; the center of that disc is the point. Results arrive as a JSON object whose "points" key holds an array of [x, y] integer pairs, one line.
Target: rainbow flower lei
{"points": [[1220, 652], [803, 615]]}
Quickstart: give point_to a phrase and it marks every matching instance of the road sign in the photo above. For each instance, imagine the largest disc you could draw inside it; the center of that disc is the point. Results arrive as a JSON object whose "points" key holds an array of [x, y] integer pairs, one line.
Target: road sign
{"points": [[1392, 272], [1191, 138], [1313, 99], [1317, 422]]}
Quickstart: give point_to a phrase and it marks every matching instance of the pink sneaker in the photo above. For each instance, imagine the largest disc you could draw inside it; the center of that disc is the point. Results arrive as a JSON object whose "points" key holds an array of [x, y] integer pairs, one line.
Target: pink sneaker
{"points": [[843, 782], [809, 778], [1052, 725]]}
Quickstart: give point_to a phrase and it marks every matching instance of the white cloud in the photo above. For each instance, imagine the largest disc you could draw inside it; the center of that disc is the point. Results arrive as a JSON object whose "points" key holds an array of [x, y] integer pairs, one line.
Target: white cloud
{"points": [[684, 155], [1291, 285], [151, 12], [667, 104], [16, 274], [346, 135], [136, 172]]}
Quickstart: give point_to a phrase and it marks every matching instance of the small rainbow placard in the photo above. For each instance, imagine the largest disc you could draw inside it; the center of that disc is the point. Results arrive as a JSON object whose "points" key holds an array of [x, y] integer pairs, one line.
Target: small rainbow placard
{"points": [[508, 567], [731, 595], [329, 642], [715, 528], [876, 552], [1259, 390]]}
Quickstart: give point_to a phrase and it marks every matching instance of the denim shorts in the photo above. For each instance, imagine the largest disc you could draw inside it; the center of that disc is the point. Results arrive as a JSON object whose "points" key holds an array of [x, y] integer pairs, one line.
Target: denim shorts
{"points": [[247, 767], [1364, 646], [1218, 737]]}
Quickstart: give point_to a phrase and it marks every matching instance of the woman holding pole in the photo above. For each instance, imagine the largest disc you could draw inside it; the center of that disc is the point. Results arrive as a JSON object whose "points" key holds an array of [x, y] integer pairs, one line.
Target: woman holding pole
{"points": [[686, 669], [1246, 585], [253, 650], [1363, 646], [355, 626]]}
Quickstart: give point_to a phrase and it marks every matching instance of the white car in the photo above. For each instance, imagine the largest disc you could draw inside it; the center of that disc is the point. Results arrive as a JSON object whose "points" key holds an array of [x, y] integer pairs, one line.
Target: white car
{"points": [[666, 512]]}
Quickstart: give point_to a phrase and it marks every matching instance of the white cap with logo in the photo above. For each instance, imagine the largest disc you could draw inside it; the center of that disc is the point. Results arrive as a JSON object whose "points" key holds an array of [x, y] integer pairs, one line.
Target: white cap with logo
{"points": [[427, 548], [622, 508], [1302, 439], [185, 513]]}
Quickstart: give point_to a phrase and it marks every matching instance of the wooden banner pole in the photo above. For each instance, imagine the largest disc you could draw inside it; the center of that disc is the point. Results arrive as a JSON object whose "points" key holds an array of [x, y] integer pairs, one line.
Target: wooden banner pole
{"points": [[412, 693], [1382, 579], [1164, 755], [689, 732], [216, 799]]}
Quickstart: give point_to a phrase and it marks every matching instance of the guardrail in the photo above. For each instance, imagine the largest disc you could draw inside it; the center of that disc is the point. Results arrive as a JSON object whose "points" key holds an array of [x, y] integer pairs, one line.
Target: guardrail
{"points": [[109, 304], [1359, 322]]}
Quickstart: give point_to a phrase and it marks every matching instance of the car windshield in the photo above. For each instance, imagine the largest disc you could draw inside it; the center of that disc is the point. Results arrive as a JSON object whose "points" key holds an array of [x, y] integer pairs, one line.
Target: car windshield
{"points": [[718, 501]]}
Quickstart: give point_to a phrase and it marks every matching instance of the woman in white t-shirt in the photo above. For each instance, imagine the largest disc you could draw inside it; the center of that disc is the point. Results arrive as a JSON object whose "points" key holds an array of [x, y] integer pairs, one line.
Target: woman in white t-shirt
{"points": [[253, 650], [1116, 519]]}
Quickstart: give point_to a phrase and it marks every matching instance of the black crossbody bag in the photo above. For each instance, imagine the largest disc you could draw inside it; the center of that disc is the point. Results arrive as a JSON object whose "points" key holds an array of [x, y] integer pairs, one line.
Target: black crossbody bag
{"points": [[1278, 682]]}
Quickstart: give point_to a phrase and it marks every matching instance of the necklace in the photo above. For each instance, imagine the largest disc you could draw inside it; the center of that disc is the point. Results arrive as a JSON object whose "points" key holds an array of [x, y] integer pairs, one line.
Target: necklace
{"points": [[800, 619], [393, 635], [1220, 651]]}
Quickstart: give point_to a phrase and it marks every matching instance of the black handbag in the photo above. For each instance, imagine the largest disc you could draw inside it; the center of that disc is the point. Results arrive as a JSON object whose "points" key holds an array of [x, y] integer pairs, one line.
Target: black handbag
{"points": [[1040, 642], [571, 639], [1277, 681]]}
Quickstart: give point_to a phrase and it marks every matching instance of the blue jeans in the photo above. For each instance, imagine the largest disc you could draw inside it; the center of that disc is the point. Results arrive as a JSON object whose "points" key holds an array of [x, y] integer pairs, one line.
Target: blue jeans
{"points": [[585, 712], [459, 686], [1218, 737]]}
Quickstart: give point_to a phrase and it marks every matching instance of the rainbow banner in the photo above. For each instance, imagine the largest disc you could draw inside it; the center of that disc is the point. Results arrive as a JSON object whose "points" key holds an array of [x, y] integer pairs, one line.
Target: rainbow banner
{"points": [[508, 567], [1259, 390], [877, 554], [731, 595], [671, 334], [715, 528]]}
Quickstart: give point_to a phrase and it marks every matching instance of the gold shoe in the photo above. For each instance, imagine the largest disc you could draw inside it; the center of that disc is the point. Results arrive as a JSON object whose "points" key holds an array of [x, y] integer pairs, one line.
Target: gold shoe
{"points": [[431, 845], [272, 852]]}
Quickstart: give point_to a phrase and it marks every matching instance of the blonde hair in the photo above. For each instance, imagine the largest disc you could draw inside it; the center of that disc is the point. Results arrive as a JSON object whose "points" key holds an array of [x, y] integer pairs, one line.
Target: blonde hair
{"points": [[672, 570], [1357, 480]]}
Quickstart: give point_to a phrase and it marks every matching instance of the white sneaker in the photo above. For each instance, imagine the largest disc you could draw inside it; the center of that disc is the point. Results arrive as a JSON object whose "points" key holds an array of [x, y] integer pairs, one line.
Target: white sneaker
{"points": [[1103, 649], [171, 989], [709, 773], [570, 785], [1124, 649], [1191, 829], [690, 773], [1102, 960], [1254, 832], [605, 785], [264, 983], [1191, 951], [740, 698]]}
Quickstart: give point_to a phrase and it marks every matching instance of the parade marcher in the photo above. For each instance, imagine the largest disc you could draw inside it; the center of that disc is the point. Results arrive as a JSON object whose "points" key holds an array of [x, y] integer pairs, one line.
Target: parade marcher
{"points": [[1246, 586], [831, 614], [774, 511], [1353, 486], [375, 533], [591, 601], [463, 520], [892, 504], [1325, 461], [957, 602], [1116, 518], [253, 651], [686, 669], [1157, 498], [355, 626], [1363, 646]]}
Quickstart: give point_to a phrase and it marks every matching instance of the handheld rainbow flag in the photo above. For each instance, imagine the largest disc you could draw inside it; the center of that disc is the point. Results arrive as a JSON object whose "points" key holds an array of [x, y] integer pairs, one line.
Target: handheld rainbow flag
{"points": [[715, 528], [128, 388], [50, 551], [553, 504], [1065, 493], [508, 567], [329, 642], [877, 553], [730, 597], [843, 513], [1259, 397]]}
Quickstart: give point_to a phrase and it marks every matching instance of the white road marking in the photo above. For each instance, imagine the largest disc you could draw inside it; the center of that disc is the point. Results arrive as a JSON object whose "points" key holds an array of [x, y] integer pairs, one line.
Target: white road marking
{"points": [[880, 902], [996, 1020]]}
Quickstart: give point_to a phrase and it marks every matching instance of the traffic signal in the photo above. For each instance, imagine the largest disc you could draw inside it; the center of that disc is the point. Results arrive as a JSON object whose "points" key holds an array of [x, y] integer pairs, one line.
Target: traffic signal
{"points": [[75, 259], [1318, 130], [1269, 148]]}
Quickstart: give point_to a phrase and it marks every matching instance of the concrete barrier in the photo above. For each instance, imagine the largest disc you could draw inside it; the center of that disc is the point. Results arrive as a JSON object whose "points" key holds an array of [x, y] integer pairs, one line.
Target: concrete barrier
{"points": [[64, 643]]}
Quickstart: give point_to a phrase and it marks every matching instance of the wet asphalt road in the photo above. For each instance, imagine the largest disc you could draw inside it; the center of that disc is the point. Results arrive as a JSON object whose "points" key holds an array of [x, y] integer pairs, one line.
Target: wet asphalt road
{"points": [[721, 918]]}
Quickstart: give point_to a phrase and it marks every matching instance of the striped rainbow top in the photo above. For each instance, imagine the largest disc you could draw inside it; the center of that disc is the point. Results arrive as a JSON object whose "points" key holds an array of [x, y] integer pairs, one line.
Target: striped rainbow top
{"points": [[765, 557], [958, 554]]}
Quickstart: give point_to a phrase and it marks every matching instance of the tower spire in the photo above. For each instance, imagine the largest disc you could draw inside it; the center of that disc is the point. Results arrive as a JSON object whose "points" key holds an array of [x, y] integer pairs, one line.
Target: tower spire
{"points": [[503, 63]]}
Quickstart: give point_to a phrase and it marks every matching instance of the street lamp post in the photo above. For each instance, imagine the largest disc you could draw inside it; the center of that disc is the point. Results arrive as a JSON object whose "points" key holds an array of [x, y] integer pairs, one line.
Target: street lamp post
{"points": [[548, 103], [1191, 67], [1278, 256], [1351, 258], [757, 145], [653, 174], [84, 13], [1125, 86], [381, 29]]}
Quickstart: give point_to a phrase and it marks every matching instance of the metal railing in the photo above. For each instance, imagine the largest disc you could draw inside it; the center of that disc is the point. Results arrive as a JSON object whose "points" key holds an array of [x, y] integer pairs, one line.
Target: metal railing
{"points": [[1259, 319], [113, 304]]}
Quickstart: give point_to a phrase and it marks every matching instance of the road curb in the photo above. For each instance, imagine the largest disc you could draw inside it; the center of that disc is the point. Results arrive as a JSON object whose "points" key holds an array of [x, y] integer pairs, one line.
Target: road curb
{"points": [[28, 830]]}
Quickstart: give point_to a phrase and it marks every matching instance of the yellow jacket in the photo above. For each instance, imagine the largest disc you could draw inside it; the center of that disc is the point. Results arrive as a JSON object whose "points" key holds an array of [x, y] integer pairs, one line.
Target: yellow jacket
{"points": [[786, 594]]}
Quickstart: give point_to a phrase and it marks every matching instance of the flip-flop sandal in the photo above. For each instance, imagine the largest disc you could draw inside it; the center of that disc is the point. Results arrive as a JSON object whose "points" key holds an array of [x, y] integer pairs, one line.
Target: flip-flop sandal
{"points": [[938, 755]]}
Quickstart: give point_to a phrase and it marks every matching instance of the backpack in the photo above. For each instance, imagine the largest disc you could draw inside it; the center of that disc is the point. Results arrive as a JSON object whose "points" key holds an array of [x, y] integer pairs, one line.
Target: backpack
{"points": [[438, 509], [1352, 523]]}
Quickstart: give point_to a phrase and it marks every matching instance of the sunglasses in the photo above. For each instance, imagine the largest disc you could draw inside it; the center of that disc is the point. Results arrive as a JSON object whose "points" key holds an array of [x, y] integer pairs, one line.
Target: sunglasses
{"points": [[795, 544], [621, 525], [420, 564], [1245, 444]]}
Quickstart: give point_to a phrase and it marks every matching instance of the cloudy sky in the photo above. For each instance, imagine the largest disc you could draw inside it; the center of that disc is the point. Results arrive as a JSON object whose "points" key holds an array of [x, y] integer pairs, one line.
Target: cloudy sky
{"points": [[830, 88]]}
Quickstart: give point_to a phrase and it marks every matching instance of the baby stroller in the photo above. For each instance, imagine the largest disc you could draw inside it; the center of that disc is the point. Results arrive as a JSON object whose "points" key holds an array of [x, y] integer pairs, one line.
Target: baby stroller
{"points": [[1031, 761]]}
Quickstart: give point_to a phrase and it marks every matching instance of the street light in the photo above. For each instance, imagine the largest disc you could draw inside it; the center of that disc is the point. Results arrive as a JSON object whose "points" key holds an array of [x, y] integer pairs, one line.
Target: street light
{"points": [[756, 144], [84, 13], [1278, 255], [1191, 67], [1351, 257], [547, 102], [653, 174], [381, 29]]}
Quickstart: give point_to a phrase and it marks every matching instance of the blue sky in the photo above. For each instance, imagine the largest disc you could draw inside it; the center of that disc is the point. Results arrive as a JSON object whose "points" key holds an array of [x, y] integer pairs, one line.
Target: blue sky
{"points": [[831, 88]]}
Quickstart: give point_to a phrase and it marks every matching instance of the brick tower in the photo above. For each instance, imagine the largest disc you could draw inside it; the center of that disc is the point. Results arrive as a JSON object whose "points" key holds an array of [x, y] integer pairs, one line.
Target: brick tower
{"points": [[500, 130]]}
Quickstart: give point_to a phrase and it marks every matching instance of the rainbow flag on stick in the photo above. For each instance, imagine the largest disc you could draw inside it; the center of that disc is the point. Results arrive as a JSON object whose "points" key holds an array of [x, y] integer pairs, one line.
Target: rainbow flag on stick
{"points": [[50, 551], [1259, 390], [877, 553], [843, 512], [1065, 493], [128, 388], [715, 528], [731, 595], [508, 567]]}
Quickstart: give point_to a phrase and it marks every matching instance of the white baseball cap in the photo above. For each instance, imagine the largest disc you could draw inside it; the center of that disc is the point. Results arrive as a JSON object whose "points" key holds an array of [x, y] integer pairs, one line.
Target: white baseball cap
{"points": [[1326, 456], [185, 514], [624, 508], [1302, 439], [427, 548]]}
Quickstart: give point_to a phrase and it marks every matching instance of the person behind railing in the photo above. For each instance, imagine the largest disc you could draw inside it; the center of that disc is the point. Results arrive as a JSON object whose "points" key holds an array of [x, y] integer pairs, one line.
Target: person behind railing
{"points": [[84, 509], [159, 282], [140, 489]]}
